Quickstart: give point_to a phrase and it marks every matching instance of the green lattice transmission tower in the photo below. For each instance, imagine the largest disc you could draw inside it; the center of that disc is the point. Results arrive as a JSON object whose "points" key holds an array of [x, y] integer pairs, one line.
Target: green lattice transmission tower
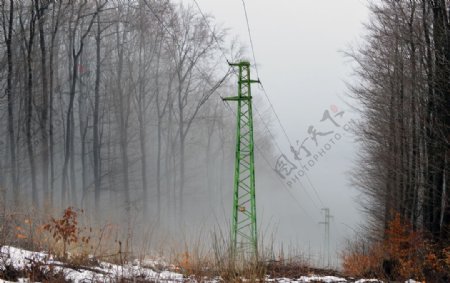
{"points": [[243, 229]]}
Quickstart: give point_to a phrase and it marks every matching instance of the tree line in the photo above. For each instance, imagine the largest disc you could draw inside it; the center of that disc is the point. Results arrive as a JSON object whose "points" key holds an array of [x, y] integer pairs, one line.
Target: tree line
{"points": [[403, 93], [112, 100]]}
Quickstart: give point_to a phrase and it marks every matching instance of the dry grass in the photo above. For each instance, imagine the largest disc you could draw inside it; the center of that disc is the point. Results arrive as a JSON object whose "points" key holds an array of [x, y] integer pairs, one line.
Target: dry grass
{"points": [[82, 245], [219, 262], [403, 254]]}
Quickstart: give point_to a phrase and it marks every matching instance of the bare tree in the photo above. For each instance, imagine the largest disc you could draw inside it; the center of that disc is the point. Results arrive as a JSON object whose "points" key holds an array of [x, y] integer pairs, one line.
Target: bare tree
{"points": [[41, 10], [28, 34], [404, 90], [7, 24], [73, 71]]}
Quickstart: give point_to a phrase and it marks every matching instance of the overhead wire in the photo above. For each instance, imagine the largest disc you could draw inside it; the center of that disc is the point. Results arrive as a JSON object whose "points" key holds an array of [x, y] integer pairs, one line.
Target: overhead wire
{"points": [[283, 184], [222, 98], [267, 128], [214, 89], [257, 73], [279, 149], [250, 37], [266, 160], [217, 42], [265, 94], [290, 144], [254, 59], [211, 30], [273, 110], [271, 104]]}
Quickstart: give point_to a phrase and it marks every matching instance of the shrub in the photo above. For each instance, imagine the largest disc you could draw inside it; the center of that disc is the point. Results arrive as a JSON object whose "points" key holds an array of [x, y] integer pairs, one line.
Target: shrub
{"points": [[363, 260], [66, 229], [403, 254]]}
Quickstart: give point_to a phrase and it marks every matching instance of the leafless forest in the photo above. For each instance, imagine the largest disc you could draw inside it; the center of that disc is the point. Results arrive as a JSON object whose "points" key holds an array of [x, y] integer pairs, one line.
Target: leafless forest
{"points": [[113, 105], [404, 95]]}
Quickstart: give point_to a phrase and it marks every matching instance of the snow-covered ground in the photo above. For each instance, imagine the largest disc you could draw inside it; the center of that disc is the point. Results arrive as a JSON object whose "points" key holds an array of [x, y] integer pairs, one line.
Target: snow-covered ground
{"points": [[20, 259]]}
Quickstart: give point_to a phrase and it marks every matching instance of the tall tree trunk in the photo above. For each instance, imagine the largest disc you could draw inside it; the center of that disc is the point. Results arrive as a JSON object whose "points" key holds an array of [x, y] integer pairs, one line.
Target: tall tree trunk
{"points": [[181, 136], [83, 119], [441, 36], [438, 100], [158, 170], [29, 106], [182, 177], [11, 97], [95, 127], [73, 179], [69, 131], [142, 106], [55, 26], [161, 111], [123, 109], [44, 106], [69, 149], [429, 141], [414, 141]]}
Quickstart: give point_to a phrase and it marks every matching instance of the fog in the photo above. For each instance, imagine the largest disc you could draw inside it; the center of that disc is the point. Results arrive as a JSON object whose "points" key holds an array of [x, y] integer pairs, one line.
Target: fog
{"points": [[299, 47], [116, 108]]}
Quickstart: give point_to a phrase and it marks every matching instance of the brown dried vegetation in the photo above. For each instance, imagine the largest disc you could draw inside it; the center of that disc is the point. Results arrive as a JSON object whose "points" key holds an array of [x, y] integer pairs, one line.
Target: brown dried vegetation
{"points": [[403, 254]]}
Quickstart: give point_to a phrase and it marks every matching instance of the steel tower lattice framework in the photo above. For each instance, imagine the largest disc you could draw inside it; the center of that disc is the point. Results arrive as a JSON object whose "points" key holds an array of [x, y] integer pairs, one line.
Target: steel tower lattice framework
{"points": [[243, 229]]}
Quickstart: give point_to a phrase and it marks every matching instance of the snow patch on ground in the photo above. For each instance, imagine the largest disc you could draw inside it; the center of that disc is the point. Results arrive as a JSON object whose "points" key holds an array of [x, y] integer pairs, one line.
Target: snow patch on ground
{"points": [[21, 259], [310, 278]]}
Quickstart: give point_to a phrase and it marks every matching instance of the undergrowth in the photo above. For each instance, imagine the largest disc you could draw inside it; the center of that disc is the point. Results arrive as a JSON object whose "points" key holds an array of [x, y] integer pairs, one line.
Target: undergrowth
{"points": [[34, 273], [80, 247], [403, 254]]}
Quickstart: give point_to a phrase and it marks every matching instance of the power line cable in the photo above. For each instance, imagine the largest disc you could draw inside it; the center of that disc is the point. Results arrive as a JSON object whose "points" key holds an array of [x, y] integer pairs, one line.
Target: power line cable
{"points": [[215, 38], [290, 144], [313, 187], [254, 59], [267, 128], [264, 91], [211, 30], [256, 69], [283, 184], [270, 102], [257, 74], [214, 89], [276, 175], [276, 115], [279, 149], [250, 37]]}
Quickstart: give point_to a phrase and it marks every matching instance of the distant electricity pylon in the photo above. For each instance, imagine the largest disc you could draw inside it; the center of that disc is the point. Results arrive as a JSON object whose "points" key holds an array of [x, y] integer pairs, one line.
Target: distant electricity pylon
{"points": [[243, 229], [326, 223]]}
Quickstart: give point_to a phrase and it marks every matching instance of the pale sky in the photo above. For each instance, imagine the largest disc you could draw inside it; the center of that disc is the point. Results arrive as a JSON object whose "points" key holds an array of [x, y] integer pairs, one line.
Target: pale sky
{"points": [[297, 46]]}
